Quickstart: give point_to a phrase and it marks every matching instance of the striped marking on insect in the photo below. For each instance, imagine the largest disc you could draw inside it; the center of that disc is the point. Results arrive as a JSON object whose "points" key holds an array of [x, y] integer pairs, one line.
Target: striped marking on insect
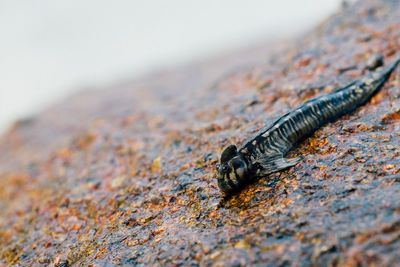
{"points": [[265, 153]]}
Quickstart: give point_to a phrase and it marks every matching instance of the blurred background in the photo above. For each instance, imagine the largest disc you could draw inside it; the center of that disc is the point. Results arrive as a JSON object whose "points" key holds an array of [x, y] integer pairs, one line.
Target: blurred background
{"points": [[52, 49]]}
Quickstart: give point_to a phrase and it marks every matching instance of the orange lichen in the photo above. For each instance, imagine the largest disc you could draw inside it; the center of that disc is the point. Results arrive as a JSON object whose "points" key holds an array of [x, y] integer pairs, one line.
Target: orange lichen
{"points": [[132, 181]]}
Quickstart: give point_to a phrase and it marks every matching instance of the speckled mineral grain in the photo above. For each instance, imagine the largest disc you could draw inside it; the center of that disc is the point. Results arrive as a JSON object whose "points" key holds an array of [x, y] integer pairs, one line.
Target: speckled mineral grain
{"points": [[126, 175]]}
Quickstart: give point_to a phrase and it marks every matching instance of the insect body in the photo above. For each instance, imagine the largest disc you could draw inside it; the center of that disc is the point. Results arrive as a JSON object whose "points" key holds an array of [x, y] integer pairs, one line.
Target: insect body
{"points": [[264, 154]]}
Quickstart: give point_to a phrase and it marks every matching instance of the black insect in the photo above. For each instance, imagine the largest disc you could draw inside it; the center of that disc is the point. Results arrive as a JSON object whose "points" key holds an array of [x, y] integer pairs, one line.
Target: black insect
{"points": [[264, 154]]}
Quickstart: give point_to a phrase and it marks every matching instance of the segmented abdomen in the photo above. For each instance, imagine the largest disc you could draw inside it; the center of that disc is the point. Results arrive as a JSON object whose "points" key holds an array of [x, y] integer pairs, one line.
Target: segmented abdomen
{"points": [[308, 117], [305, 119], [302, 121]]}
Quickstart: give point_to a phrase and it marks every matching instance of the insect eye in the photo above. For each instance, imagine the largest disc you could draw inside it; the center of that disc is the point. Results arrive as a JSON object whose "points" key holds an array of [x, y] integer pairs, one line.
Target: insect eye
{"points": [[224, 168], [218, 166]]}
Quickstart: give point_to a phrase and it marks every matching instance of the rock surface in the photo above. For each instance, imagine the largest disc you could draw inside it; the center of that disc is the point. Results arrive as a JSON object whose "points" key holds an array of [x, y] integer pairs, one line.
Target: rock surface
{"points": [[126, 175]]}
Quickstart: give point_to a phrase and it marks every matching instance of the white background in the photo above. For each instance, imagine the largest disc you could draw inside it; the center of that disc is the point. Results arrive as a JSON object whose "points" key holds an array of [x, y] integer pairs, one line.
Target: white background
{"points": [[52, 48]]}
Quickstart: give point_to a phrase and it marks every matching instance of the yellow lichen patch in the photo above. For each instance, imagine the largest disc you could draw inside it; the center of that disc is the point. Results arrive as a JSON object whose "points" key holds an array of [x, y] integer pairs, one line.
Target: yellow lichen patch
{"points": [[185, 167], [242, 244], [389, 167], [156, 165], [117, 182]]}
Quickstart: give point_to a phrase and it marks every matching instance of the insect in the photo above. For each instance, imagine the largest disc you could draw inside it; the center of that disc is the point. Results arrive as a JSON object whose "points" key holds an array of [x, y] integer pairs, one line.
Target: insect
{"points": [[265, 153]]}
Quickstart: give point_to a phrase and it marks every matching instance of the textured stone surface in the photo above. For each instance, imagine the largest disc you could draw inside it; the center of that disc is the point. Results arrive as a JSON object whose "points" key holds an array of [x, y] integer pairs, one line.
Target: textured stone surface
{"points": [[126, 175]]}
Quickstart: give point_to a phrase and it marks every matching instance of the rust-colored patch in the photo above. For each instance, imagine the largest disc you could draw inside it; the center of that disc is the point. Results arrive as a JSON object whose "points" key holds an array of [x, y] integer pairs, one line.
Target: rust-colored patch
{"points": [[126, 176]]}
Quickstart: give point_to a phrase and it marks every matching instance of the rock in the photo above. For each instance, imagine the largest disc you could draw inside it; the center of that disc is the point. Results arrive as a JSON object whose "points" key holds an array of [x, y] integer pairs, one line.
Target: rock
{"points": [[375, 61], [126, 175]]}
